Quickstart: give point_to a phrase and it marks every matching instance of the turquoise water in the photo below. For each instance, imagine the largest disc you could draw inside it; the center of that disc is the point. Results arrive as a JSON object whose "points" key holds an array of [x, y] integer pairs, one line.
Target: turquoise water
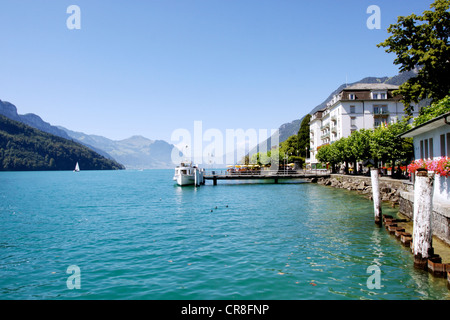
{"points": [[136, 235]]}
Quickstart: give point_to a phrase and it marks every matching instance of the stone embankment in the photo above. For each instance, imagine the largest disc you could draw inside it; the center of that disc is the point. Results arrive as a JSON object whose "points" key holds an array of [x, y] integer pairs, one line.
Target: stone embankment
{"points": [[396, 192], [390, 189]]}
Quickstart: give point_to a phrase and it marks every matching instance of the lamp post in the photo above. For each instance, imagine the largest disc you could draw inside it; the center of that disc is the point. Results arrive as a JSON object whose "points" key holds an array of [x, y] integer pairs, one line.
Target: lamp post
{"points": [[285, 162]]}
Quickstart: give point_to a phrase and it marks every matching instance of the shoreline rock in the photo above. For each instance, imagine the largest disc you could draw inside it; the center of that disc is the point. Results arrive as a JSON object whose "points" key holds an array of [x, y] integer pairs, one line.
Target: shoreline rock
{"points": [[389, 188]]}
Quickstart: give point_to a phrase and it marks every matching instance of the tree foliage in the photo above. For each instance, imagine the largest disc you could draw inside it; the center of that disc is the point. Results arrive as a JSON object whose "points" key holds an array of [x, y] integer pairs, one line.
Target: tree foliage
{"points": [[303, 139], [422, 42], [382, 144], [434, 110], [23, 148]]}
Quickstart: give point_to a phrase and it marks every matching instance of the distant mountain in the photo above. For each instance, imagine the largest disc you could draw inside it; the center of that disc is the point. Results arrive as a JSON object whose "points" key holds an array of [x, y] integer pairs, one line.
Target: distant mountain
{"points": [[135, 152], [24, 148], [288, 129], [10, 111]]}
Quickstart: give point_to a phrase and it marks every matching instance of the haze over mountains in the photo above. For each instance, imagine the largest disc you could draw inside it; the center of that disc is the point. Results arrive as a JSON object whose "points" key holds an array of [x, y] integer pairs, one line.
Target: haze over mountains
{"points": [[136, 152]]}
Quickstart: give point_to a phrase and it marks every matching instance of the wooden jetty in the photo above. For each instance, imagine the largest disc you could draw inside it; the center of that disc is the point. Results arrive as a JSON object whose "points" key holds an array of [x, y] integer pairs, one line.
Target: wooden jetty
{"points": [[266, 175]]}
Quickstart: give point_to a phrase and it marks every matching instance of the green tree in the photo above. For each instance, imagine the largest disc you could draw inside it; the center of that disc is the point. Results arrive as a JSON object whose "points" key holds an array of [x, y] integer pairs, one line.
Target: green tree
{"points": [[422, 41], [358, 146], [327, 154], [290, 147], [303, 136], [323, 154], [387, 146], [435, 110], [382, 144]]}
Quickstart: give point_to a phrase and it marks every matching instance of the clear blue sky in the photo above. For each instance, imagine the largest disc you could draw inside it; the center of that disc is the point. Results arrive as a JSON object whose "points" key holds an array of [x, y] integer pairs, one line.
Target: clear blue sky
{"points": [[150, 67]]}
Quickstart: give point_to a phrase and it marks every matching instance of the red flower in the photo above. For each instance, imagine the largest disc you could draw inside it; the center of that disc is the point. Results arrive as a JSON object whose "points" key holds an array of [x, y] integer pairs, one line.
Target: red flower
{"points": [[440, 166]]}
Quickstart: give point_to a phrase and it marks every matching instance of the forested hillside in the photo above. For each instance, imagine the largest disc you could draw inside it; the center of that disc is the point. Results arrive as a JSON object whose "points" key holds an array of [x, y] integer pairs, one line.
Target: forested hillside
{"points": [[23, 148]]}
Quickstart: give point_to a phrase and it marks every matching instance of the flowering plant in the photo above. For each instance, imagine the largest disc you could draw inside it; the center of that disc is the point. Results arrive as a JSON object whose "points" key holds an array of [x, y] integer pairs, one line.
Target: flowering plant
{"points": [[418, 164], [443, 167], [440, 166]]}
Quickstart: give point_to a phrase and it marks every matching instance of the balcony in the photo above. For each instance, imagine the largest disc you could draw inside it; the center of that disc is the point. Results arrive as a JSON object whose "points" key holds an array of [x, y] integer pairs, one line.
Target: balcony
{"points": [[334, 129], [326, 135], [316, 116], [377, 124], [380, 113], [325, 126], [335, 99]]}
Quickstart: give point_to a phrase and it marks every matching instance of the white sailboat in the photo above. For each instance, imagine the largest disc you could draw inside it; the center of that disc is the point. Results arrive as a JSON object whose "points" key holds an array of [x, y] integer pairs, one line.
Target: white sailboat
{"points": [[77, 168]]}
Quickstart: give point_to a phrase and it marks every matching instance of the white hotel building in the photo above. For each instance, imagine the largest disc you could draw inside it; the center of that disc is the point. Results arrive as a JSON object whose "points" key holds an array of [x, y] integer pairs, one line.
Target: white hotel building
{"points": [[363, 105]]}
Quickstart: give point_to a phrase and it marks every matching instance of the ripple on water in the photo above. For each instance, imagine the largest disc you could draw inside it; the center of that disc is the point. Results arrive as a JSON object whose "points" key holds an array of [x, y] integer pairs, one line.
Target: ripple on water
{"points": [[136, 236]]}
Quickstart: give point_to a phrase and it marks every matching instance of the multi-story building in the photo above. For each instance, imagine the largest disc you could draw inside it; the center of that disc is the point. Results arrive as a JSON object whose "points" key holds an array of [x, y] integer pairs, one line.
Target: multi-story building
{"points": [[363, 105]]}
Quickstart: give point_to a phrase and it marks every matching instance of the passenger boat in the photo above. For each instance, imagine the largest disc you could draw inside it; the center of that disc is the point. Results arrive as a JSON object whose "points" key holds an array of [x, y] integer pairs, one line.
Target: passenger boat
{"points": [[188, 174]]}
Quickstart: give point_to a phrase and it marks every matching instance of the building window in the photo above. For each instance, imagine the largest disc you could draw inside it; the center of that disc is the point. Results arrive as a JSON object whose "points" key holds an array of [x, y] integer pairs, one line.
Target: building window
{"points": [[351, 96], [380, 109], [427, 149], [448, 144], [352, 109], [430, 143], [379, 95], [421, 149], [353, 121]]}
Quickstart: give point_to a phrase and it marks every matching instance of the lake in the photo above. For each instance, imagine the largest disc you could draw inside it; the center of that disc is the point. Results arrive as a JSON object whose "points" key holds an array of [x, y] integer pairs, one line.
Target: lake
{"points": [[136, 235]]}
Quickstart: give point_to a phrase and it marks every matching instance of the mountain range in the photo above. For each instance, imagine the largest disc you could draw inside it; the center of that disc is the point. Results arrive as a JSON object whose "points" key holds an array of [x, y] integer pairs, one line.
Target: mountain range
{"points": [[24, 148], [136, 152]]}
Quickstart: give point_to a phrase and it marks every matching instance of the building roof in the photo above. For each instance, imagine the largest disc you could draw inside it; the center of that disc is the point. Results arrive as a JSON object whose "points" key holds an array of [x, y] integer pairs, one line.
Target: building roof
{"points": [[372, 86], [442, 120]]}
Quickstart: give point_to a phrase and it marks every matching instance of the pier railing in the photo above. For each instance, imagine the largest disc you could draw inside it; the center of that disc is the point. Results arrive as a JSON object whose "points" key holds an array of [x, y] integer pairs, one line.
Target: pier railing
{"points": [[268, 173]]}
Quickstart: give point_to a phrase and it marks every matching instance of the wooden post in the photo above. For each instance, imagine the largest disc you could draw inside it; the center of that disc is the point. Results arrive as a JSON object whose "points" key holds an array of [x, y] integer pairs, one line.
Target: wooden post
{"points": [[376, 195], [423, 207]]}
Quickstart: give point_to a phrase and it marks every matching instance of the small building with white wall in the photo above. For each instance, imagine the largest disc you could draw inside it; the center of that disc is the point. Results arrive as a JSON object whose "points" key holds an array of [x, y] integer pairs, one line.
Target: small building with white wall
{"points": [[431, 142]]}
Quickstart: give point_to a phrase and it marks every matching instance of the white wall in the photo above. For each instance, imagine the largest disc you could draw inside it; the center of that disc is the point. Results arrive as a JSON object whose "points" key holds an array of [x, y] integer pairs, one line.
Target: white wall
{"points": [[441, 184]]}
